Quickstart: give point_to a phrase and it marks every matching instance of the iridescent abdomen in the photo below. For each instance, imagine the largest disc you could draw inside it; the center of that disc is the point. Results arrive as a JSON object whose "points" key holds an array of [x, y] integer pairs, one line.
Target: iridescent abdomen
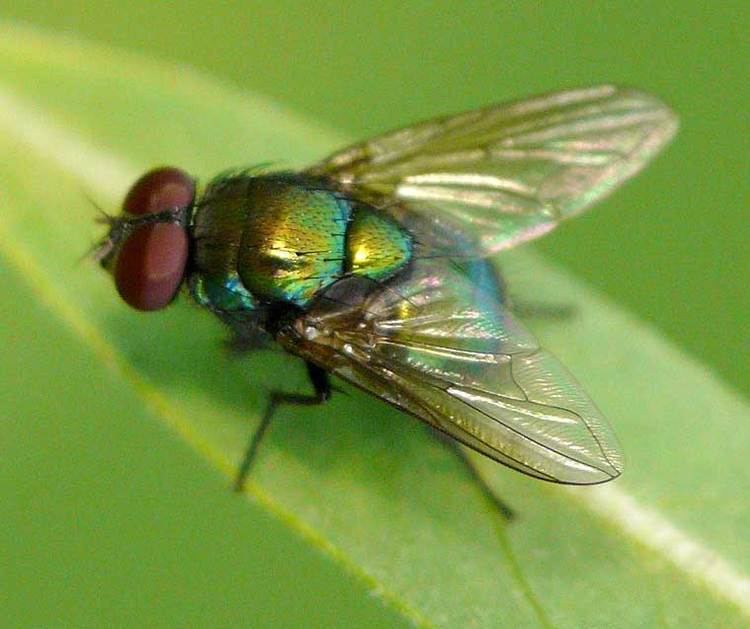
{"points": [[280, 238]]}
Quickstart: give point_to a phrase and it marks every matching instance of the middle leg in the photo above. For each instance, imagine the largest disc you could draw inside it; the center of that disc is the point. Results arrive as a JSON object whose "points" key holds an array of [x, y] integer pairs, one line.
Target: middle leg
{"points": [[322, 392]]}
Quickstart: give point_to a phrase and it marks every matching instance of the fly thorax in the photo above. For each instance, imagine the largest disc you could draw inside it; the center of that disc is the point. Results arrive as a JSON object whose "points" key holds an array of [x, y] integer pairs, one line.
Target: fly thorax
{"points": [[279, 238], [224, 293], [377, 247], [287, 239], [292, 245]]}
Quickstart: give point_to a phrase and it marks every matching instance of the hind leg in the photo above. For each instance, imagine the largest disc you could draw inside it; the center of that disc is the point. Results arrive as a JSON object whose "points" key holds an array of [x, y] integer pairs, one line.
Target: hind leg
{"points": [[497, 503]]}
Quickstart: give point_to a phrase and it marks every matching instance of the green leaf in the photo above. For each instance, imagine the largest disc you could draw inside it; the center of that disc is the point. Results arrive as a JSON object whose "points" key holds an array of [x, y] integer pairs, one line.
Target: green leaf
{"points": [[357, 480]]}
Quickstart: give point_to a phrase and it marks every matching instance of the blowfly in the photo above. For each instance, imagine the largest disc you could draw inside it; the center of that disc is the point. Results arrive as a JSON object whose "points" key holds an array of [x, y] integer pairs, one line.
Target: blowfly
{"points": [[374, 265]]}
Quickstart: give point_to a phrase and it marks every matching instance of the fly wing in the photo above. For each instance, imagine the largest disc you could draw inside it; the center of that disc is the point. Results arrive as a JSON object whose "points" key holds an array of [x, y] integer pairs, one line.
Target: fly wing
{"points": [[440, 345], [510, 172]]}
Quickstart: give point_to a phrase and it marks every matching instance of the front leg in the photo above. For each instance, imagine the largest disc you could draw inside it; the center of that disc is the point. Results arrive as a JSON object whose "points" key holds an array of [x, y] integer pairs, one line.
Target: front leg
{"points": [[322, 387]]}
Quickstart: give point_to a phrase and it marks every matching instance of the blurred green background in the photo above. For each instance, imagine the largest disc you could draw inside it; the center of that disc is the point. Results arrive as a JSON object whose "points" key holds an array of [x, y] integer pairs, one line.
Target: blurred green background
{"points": [[681, 264]]}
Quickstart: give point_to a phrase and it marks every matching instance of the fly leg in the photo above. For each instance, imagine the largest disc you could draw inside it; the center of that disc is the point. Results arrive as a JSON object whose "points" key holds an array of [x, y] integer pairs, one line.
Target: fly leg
{"points": [[497, 503], [321, 385]]}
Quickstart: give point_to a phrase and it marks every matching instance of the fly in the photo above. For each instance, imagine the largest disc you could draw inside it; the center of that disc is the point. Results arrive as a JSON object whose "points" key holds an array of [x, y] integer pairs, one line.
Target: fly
{"points": [[373, 265]]}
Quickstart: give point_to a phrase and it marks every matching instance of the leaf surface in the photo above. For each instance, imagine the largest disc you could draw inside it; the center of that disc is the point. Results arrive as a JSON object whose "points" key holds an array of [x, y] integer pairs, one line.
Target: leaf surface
{"points": [[363, 483]]}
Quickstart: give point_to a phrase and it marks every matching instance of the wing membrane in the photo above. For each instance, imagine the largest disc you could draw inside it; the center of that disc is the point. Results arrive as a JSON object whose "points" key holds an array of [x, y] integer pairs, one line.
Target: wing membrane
{"points": [[440, 345], [511, 172]]}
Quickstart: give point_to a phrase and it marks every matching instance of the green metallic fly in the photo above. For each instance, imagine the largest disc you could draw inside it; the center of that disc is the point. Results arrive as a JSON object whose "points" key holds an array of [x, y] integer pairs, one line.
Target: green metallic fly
{"points": [[373, 265]]}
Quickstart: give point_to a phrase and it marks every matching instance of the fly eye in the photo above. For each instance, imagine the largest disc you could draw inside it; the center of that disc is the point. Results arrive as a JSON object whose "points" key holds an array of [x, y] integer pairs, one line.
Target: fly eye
{"points": [[160, 189], [151, 261]]}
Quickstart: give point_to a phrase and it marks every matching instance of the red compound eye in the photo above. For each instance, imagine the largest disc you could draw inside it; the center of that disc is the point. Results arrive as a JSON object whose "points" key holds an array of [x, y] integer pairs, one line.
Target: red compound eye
{"points": [[151, 262]]}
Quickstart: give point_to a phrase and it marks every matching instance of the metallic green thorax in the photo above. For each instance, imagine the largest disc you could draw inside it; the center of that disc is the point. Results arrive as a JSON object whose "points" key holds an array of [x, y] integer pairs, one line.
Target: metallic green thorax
{"points": [[283, 238]]}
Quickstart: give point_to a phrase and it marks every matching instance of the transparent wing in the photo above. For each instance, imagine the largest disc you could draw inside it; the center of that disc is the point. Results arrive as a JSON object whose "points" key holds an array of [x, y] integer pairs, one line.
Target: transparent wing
{"points": [[440, 345], [511, 172]]}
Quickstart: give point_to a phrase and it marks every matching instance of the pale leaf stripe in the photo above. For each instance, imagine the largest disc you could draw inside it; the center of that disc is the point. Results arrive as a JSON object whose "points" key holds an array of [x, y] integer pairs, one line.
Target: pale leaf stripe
{"points": [[649, 528]]}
